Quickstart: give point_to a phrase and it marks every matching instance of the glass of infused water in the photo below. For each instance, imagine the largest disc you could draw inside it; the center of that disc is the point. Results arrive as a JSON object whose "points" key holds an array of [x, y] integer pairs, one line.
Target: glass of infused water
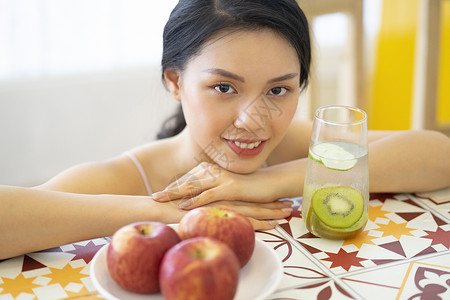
{"points": [[335, 201]]}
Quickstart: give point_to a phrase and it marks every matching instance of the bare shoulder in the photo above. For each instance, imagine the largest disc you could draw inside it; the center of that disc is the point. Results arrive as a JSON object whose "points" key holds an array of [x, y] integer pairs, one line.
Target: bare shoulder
{"points": [[295, 143], [117, 175], [158, 160]]}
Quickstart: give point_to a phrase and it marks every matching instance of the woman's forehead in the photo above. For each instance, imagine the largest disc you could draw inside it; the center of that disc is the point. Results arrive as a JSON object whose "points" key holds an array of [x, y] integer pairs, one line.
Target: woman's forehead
{"points": [[247, 48]]}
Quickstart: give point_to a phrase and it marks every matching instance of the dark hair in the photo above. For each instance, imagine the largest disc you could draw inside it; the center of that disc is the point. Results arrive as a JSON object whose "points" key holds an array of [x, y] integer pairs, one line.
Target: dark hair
{"points": [[192, 22]]}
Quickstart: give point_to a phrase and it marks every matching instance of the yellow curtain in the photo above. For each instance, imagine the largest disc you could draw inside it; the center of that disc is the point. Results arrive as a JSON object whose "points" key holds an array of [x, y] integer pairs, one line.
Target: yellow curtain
{"points": [[391, 99], [443, 113], [391, 96]]}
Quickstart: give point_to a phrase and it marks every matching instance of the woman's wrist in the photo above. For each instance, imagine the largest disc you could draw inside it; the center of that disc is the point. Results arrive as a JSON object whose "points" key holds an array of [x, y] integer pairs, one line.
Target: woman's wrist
{"points": [[285, 180], [147, 209]]}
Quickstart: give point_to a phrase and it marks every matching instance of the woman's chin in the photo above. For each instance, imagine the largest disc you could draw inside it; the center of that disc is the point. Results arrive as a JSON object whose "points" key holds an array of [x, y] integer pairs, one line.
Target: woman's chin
{"points": [[240, 167]]}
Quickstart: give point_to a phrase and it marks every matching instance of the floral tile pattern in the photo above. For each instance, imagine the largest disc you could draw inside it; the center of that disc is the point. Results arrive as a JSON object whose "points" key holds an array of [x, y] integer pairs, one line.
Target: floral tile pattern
{"points": [[305, 273], [426, 278], [56, 273], [403, 253]]}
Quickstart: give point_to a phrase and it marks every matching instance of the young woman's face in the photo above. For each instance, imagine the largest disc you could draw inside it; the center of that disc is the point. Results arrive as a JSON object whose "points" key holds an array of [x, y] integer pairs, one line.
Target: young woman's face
{"points": [[239, 96]]}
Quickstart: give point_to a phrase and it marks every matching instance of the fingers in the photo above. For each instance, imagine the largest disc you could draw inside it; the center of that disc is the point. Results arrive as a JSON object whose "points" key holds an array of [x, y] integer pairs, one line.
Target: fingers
{"points": [[262, 224], [179, 190], [256, 212], [222, 193], [263, 216], [271, 205], [201, 178], [206, 197], [212, 195]]}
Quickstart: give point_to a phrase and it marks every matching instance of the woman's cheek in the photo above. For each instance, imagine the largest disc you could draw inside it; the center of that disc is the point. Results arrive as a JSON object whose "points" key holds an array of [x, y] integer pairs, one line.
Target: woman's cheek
{"points": [[288, 112]]}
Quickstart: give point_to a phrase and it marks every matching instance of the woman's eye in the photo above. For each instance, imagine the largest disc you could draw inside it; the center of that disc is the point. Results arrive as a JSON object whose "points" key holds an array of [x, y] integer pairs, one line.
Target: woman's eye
{"points": [[224, 88], [278, 91]]}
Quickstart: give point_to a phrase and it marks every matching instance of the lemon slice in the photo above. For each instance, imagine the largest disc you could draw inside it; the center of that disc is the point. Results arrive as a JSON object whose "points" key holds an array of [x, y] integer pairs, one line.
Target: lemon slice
{"points": [[333, 155]]}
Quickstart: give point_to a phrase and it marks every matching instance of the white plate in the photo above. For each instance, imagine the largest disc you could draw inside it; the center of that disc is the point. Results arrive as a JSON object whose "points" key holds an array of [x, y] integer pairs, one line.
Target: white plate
{"points": [[257, 280]]}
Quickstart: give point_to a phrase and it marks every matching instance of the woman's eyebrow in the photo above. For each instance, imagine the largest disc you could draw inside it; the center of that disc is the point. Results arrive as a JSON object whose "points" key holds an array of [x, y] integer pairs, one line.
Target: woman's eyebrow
{"points": [[283, 77], [225, 73], [228, 74]]}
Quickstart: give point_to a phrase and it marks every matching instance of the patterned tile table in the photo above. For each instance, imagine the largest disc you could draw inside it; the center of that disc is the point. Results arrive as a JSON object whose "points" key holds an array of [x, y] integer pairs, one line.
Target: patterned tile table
{"points": [[403, 253]]}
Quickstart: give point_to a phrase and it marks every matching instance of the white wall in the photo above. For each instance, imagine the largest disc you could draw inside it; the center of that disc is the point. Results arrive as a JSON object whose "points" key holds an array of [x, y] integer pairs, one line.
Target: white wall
{"points": [[50, 124]]}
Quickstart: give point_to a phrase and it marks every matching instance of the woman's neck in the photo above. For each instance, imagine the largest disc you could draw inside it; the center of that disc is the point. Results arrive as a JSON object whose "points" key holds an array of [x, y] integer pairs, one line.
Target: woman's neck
{"points": [[188, 152]]}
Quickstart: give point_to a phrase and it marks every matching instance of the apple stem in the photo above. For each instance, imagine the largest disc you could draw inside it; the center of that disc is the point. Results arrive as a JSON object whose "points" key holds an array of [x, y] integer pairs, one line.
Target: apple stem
{"points": [[145, 231], [199, 254], [220, 213]]}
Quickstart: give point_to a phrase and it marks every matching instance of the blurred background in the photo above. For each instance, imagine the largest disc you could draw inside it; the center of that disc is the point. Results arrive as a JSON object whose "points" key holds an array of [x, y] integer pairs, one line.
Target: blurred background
{"points": [[80, 79]]}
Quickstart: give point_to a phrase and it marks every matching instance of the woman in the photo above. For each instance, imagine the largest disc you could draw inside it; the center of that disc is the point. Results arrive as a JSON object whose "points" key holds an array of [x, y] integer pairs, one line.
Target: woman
{"points": [[237, 68]]}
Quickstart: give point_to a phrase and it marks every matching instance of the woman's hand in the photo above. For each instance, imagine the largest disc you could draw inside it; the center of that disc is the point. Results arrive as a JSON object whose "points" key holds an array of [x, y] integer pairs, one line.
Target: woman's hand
{"points": [[263, 216], [207, 183], [250, 194]]}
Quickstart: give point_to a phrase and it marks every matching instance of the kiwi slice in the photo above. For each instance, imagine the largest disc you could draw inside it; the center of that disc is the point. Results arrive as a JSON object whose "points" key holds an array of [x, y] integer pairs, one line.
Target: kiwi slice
{"points": [[320, 229], [338, 206]]}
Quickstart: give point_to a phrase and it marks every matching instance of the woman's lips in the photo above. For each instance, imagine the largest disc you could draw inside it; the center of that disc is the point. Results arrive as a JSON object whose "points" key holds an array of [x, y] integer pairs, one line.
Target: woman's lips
{"points": [[246, 148]]}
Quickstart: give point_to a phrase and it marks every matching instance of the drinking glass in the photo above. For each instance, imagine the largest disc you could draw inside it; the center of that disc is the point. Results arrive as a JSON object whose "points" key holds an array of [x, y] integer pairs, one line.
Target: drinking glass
{"points": [[335, 201]]}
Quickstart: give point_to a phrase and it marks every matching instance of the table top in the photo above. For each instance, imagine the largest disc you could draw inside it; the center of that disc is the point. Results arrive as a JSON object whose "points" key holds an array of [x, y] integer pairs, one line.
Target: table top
{"points": [[403, 253]]}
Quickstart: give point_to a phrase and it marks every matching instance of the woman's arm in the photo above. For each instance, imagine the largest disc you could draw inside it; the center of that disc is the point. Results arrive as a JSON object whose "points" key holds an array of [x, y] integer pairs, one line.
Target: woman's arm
{"points": [[35, 219], [118, 176], [399, 161], [64, 209], [409, 161], [93, 200]]}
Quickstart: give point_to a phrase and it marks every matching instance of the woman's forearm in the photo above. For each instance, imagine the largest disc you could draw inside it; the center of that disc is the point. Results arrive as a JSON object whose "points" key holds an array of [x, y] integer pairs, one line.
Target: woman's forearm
{"points": [[409, 161], [284, 180], [403, 161], [33, 219]]}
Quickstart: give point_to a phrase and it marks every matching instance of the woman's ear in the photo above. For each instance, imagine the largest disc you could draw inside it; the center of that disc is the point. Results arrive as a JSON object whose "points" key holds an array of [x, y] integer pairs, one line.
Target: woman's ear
{"points": [[172, 79]]}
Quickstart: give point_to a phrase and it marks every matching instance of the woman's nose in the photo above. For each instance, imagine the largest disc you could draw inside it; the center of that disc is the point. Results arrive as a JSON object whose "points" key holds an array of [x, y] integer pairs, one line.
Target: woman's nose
{"points": [[256, 114], [250, 119]]}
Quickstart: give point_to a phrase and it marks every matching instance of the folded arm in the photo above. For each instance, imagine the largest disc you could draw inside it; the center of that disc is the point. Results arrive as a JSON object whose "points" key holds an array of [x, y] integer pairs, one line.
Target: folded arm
{"points": [[399, 161], [90, 201], [409, 161], [35, 219]]}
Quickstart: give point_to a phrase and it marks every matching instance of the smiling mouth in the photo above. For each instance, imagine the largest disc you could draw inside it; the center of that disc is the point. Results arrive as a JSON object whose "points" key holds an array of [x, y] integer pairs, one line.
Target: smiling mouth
{"points": [[246, 148], [243, 145]]}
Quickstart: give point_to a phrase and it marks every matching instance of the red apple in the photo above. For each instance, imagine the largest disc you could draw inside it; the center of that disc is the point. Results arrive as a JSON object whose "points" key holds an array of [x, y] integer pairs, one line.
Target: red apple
{"points": [[225, 225], [200, 268], [135, 253]]}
